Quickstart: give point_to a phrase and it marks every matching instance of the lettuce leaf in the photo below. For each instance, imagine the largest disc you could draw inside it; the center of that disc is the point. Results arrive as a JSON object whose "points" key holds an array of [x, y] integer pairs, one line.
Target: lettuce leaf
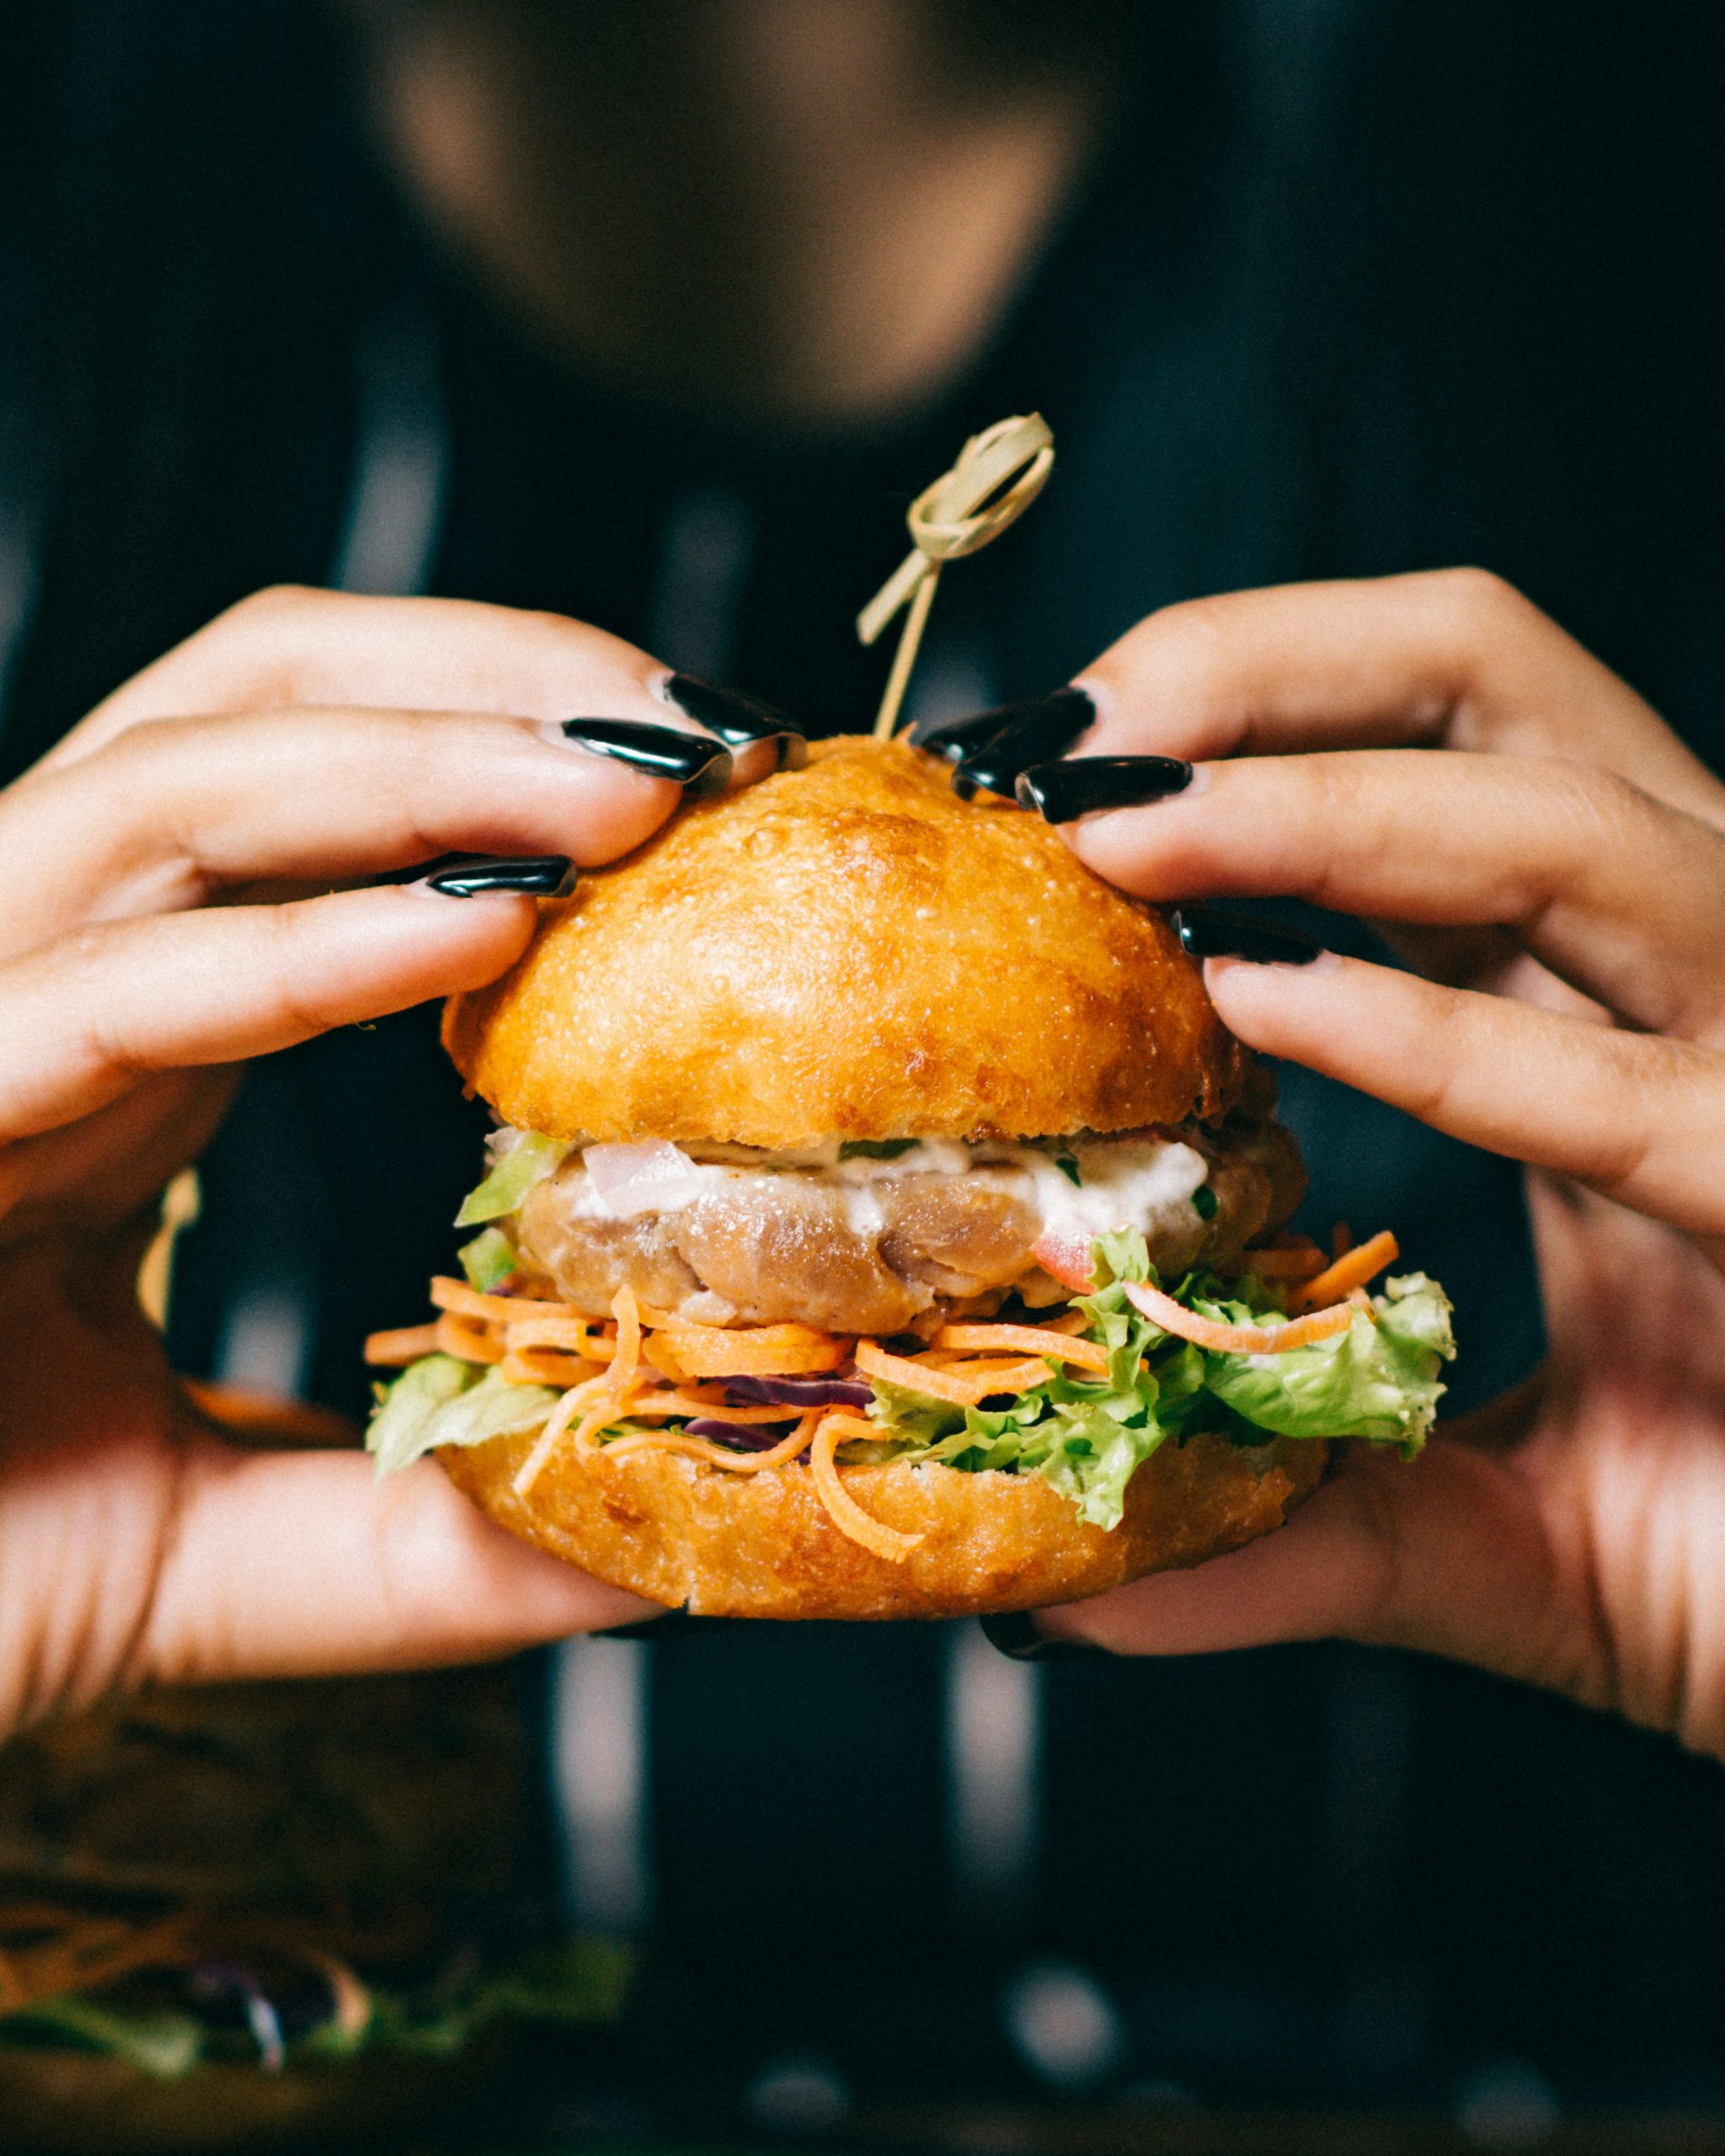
{"points": [[439, 1400], [489, 1260], [529, 1160], [578, 1980], [157, 2040], [1088, 1436], [1377, 1381]]}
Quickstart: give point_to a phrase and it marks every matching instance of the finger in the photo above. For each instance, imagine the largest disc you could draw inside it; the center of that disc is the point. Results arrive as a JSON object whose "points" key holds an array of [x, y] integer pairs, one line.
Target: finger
{"points": [[1617, 893], [1453, 1553], [86, 1018], [1637, 1119], [290, 646], [1453, 658], [168, 813], [286, 1565]]}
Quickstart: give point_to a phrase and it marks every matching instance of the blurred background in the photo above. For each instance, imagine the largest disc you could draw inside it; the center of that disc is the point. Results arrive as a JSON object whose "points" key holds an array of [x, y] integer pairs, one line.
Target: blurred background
{"points": [[1340, 287]]}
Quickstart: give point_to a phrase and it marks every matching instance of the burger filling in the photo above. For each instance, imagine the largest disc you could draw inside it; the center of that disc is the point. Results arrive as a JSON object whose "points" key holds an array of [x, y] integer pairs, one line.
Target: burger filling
{"points": [[887, 1238], [1060, 1308]]}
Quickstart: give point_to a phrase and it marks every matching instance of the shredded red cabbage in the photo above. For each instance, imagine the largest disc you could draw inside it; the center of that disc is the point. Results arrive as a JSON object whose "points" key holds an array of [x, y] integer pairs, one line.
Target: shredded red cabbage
{"points": [[749, 1437], [798, 1392]]}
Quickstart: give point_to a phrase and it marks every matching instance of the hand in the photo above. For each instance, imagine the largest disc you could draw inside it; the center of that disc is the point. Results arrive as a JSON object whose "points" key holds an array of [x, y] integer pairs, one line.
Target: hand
{"points": [[1432, 753], [156, 925]]}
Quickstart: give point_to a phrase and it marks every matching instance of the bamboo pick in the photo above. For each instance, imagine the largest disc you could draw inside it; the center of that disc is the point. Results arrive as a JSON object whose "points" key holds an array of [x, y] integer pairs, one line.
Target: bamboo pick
{"points": [[948, 520]]}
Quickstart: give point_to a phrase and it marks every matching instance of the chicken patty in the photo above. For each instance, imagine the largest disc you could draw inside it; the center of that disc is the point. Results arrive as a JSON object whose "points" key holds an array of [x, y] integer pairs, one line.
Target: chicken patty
{"points": [[899, 1245]]}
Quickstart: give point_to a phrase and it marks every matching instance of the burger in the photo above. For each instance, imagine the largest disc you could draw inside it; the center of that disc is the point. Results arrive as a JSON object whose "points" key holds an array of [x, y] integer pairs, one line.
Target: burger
{"points": [[252, 1913], [882, 1224]]}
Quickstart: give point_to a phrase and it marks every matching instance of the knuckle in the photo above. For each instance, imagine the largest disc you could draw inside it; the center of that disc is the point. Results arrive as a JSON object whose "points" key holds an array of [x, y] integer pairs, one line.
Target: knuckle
{"points": [[274, 602]]}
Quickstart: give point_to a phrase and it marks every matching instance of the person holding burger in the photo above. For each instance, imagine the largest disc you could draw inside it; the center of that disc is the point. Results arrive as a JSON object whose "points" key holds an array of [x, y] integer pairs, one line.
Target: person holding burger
{"points": [[1387, 747]]}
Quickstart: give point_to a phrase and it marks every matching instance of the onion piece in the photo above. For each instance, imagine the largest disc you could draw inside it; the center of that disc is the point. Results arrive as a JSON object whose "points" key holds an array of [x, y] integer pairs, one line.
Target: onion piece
{"points": [[798, 1392], [734, 1433], [653, 1178]]}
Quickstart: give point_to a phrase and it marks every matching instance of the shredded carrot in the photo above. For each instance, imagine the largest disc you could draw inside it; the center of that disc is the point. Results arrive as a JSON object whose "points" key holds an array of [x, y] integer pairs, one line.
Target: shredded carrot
{"points": [[448, 1295], [1237, 1339], [544, 1366], [1341, 1240], [712, 1351], [609, 1395], [406, 1344], [1037, 1340], [555, 1431], [938, 1383], [569, 1332], [627, 1362], [467, 1341], [715, 1456], [683, 1403], [847, 1515], [1353, 1269]]}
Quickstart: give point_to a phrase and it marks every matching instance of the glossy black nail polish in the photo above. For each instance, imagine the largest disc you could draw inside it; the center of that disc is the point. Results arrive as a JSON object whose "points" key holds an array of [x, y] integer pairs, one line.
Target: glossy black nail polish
{"points": [[962, 737], [1205, 934], [1030, 733], [1017, 1634], [1060, 792], [542, 875], [694, 761], [737, 720]]}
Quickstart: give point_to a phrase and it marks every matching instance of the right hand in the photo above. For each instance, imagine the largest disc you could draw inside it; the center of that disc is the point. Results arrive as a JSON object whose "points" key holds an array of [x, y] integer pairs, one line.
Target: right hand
{"points": [[181, 890]]}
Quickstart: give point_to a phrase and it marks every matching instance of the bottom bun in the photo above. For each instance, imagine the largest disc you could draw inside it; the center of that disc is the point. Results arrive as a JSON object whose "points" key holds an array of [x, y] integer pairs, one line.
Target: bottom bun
{"points": [[64, 2099], [722, 1544]]}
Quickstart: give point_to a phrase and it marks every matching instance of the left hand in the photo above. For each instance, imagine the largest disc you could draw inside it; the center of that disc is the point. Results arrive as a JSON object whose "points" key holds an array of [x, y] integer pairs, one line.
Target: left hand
{"points": [[1432, 753]]}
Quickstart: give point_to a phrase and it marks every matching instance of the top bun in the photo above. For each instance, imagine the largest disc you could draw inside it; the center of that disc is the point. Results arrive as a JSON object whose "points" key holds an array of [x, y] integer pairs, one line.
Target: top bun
{"points": [[846, 951]]}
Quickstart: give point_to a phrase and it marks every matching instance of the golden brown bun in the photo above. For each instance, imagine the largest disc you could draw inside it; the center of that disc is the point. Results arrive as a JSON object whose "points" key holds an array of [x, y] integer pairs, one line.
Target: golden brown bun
{"points": [[848, 951], [762, 1546]]}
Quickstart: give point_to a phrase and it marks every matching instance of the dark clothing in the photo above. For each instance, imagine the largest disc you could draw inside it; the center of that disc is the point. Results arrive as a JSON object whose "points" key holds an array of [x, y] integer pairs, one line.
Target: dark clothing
{"points": [[1352, 291]]}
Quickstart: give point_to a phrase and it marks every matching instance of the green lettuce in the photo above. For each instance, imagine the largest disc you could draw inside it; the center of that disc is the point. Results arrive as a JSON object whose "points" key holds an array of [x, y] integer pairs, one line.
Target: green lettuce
{"points": [[1378, 1381], [489, 1260], [578, 1980], [439, 1400], [1087, 1435], [529, 1160]]}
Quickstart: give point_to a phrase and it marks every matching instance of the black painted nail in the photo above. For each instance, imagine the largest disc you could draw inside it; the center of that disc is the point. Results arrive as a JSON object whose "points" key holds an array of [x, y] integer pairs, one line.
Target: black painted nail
{"points": [[1030, 733], [670, 1624], [695, 762], [737, 720], [960, 737], [1205, 934], [1017, 1634], [1060, 792], [542, 875]]}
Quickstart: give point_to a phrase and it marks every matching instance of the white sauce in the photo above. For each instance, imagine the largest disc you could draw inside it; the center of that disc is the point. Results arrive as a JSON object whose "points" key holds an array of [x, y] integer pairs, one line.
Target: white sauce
{"points": [[1139, 1182]]}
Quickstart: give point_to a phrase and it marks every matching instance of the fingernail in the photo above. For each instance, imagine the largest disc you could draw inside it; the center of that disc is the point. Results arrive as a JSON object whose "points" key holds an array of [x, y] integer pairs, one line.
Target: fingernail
{"points": [[1029, 733], [1060, 792], [671, 1625], [542, 875], [737, 720], [959, 737], [1018, 1634], [1204, 934], [694, 761]]}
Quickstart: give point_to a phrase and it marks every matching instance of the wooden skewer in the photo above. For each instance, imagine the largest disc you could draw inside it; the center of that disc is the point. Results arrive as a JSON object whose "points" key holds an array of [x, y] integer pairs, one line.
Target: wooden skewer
{"points": [[953, 517]]}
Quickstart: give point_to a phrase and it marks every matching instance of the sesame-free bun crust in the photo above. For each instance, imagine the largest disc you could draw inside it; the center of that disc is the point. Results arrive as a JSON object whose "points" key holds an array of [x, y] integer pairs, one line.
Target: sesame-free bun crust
{"points": [[723, 1544], [846, 951]]}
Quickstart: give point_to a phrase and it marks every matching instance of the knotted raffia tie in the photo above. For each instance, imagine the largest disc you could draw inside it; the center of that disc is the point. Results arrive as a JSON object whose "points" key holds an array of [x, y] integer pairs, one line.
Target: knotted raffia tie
{"points": [[1010, 461]]}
